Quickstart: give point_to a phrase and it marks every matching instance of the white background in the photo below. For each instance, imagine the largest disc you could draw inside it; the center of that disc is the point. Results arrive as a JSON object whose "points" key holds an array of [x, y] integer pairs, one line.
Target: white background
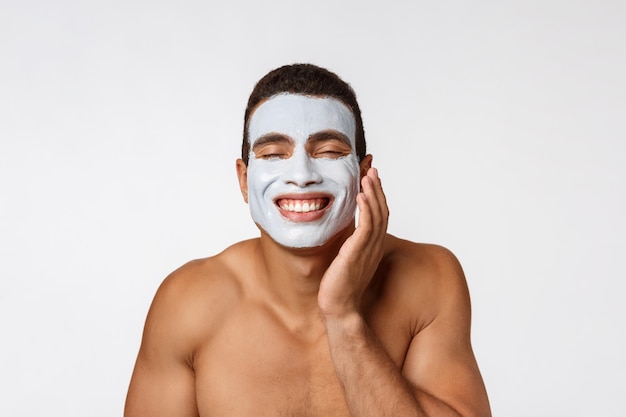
{"points": [[498, 129]]}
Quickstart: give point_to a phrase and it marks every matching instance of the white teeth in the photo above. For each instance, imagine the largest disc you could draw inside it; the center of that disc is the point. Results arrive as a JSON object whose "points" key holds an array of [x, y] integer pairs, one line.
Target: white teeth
{"points": [[301, 206]]}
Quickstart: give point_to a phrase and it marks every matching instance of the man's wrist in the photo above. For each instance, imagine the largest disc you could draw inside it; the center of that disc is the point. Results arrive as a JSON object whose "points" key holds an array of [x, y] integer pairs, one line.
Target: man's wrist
{"points": [[349, 323]]}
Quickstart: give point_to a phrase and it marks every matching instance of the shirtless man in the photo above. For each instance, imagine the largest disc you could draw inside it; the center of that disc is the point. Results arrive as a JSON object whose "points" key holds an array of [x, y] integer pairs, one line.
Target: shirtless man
{"points": [[316, 317]]}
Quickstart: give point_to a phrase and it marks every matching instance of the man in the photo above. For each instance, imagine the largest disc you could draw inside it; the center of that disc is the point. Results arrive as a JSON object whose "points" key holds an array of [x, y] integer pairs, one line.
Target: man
{"points": [[316, 317]]}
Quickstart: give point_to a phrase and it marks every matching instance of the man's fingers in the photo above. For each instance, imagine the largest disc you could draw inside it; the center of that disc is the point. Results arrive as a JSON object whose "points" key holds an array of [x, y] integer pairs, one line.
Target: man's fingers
{"points": [[381, 194], [372, 188], [365, 213]]}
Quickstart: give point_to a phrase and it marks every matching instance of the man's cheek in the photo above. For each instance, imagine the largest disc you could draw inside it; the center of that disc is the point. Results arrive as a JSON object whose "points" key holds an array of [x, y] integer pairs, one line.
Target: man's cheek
{"points": [[342, 171], [267, 172]]}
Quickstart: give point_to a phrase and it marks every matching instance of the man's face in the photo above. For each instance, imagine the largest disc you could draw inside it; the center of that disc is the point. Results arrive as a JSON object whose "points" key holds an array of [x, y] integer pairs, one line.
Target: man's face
{"points": [[303, 173]]}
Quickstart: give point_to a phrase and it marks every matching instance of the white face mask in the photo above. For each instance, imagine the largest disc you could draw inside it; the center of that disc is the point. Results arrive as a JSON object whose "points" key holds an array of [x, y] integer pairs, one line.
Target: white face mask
{"points": [[303, 172]]}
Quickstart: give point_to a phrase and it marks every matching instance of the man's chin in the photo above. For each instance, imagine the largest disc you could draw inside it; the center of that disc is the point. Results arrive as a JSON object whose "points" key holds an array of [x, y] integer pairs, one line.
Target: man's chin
{"points": [[302, 237], [310, 241]]}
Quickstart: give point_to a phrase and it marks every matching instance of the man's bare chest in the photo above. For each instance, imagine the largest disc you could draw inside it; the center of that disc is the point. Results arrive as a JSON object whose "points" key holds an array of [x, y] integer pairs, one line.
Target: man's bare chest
{"points": [[249, 371], [254, 366]]}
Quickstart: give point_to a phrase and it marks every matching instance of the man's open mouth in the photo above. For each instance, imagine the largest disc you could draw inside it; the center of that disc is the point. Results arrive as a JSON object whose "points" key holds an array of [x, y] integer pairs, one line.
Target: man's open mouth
{"points": [[302, 206]]}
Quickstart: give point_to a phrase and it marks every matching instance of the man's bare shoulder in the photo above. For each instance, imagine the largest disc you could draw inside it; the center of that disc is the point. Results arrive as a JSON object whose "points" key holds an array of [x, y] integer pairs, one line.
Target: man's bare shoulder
{"points": [[195, 296], [220, 271], [424, 262], [427, 277]]}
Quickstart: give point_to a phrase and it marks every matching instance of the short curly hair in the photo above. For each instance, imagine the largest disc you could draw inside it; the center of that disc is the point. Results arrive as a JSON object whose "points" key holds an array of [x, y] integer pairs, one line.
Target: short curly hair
{"points": [[306, 79]]}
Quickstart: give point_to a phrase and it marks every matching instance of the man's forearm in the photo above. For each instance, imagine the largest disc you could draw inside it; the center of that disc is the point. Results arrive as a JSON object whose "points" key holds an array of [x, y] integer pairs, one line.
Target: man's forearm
{"points": [[372, 384]]}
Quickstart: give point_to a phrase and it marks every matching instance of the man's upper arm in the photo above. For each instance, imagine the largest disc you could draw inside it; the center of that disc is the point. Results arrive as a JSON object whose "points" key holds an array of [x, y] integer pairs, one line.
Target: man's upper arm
{"points": [[440, 360], [163, 382]]}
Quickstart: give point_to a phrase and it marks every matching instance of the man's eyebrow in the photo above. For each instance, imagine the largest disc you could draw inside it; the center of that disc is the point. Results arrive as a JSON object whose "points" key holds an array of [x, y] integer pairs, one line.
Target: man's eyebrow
{"points": [[272, 138], [329, 135]]}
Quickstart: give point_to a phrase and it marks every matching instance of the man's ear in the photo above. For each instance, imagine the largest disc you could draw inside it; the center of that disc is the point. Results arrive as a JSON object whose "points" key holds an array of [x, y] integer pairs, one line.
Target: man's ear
{"points": [[242, 175], [365, 165]]}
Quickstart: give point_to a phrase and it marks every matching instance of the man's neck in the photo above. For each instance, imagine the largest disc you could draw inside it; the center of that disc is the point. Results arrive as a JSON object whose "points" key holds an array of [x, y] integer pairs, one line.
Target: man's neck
{"points": [[291, 277]]}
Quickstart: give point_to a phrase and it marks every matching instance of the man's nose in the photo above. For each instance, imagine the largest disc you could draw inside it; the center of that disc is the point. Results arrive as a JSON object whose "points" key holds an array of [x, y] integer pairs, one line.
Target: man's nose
{"points": [[301, 170]]}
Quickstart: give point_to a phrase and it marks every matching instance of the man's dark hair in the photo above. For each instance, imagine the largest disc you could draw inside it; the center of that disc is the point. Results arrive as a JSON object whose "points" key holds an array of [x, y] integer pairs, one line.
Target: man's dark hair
{"points": [[306, 79]]}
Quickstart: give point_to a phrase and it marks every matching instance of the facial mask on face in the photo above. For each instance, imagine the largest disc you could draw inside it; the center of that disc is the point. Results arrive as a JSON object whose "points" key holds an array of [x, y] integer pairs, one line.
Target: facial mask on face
{"points": [[302, 200]]}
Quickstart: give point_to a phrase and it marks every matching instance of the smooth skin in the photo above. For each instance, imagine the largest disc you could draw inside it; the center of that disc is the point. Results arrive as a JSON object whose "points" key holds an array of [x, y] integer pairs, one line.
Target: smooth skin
{"points": [[366, 325]]}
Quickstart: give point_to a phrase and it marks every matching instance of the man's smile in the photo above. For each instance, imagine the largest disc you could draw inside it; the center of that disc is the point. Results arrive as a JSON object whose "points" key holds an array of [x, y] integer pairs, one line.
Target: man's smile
{"points": [[303, 208], [302, 205]]}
